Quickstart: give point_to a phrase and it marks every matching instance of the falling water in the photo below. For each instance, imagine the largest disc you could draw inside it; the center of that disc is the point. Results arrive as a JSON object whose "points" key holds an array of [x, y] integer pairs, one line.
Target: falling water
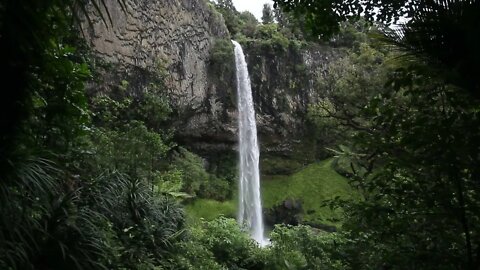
{"points": [[250, 206]]}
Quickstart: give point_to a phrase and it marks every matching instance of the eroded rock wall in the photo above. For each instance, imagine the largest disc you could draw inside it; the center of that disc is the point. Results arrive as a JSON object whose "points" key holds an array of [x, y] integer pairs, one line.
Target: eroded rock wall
{"points": [[175, 38], [285, 82], [169, 36]]}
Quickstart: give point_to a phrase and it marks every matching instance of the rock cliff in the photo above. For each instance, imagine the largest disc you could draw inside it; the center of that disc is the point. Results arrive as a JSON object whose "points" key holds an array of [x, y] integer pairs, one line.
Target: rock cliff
{"points": [[177, 37], [172, 37], [284, 83]]}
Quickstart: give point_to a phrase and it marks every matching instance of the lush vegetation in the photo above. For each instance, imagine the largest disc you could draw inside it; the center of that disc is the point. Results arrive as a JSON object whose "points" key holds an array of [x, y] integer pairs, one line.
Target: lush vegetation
{"points": [[310, 188], [96, 181], [407, 138]]}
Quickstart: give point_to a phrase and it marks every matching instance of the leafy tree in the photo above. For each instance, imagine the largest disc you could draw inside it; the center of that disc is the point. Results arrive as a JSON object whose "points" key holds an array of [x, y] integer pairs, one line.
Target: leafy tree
{"points": [[226, 4], [280, 17], [271, 38], [350, 84], [196, 180], [30, 33], [58, 213], [442, 33], [415, 151], [418, 176], [230, 246], [230, 15], [323, 17], [292, 25], [248, 23], [301, 247], [267, 14]]}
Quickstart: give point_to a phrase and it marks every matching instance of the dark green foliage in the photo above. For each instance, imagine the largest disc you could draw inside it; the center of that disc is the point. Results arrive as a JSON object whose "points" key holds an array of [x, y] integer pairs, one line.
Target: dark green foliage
{"points": [[115, 149], [353, 34], [302, 247], [323, 17], [193, 168], [122, 104], [196, 180], [446, 36], [351, 83], [230, 246], [56, 220], [45, 226], [31, 33], [270, 37], [424, 147], [216, 188], [267, 14], [230, 15], [145, 223], [220, 244], [293, 25], [58, 213], [248, 23], [410, 146], [222, 59]]}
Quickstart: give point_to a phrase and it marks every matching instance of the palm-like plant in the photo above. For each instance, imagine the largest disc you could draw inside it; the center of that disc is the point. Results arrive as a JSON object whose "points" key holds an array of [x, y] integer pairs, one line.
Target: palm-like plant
{"points": [[50, 219], [27, 29], [445, 35], [40, 218]]}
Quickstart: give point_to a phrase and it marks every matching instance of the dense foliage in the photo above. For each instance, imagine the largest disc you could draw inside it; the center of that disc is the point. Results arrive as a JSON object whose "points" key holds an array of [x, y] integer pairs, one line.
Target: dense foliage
{"points": [[95, 181], [408, 130]]}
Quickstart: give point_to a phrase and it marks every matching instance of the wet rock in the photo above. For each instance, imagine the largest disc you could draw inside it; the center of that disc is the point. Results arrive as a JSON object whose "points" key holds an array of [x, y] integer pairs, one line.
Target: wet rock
{"points": [[287, 212]]}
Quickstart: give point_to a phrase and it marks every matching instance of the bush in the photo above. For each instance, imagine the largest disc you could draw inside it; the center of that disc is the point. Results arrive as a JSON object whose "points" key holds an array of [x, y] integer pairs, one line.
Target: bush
{"points": [[196, 180], [230, 246], [215, 188], [221, 54], [192, 168], [271, 38], [302, 247]]}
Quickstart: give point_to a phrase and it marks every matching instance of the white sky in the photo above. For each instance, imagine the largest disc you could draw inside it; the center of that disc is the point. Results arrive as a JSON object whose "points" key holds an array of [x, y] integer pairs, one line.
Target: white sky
{"points": [[254, 6]]}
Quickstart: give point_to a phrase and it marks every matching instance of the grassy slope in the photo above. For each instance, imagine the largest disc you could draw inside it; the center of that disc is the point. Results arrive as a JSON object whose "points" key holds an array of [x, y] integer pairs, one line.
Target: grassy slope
{"points": [[210, 209], [312, 185]]}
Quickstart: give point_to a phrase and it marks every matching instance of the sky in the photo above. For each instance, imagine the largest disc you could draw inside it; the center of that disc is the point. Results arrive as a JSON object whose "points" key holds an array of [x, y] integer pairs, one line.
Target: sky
{"points": [[254, 6]]}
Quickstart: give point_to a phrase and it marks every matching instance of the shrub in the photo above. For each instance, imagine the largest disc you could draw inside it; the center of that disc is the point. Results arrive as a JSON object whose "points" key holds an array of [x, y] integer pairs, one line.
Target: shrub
{"points": [[230, 246], [196, 180], [302, 247]]}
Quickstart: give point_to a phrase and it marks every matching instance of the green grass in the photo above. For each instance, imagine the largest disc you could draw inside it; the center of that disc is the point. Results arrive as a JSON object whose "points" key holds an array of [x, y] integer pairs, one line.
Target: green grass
{"points": [[311, 185], [210, 209]]}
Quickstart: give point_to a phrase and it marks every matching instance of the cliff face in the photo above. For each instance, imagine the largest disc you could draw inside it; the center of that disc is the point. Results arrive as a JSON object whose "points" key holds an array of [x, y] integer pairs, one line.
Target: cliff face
{"points": [[177, 37], [172, 37], [284, 82]]}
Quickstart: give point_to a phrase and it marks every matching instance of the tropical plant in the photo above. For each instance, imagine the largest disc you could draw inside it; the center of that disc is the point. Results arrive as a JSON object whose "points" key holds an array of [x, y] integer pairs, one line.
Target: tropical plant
{"points": [[302, 247]]}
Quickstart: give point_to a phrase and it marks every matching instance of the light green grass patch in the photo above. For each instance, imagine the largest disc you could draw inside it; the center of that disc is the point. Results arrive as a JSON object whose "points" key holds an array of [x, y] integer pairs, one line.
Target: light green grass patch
{"points": [[210, 209], [312, 186]]}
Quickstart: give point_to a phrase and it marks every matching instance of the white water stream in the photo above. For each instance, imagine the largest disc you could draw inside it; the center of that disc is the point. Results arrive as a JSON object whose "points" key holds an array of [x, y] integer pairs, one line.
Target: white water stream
{"points": [[250, 205]]}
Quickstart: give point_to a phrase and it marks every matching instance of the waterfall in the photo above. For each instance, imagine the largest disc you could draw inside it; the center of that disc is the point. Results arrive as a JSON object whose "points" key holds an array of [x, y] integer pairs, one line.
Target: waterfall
{"points": [[250, 206]]}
